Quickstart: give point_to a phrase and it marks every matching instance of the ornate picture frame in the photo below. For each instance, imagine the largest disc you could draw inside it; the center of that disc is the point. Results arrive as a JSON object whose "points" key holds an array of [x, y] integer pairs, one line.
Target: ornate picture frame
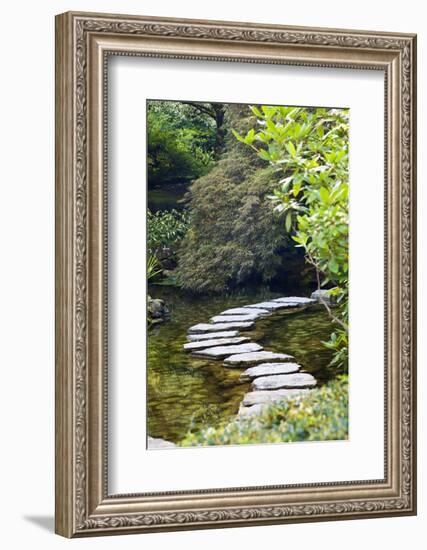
{"points": [[84, 42]]}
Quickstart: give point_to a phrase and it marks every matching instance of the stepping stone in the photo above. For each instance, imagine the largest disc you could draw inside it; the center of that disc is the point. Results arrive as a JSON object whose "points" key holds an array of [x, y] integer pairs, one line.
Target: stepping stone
{"points": [[219, 352], [244, 359], [215, 342], [254, 398], [250, 411], [156, 443], [297, 380], [244, 311], [234, 318], [268, 305], [211, 335], [269, 369], [295, 300], [205, 327]]}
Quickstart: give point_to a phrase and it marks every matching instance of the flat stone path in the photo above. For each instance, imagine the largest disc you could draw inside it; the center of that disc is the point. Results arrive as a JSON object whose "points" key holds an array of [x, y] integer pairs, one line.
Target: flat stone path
{"points": [[268, 369], [270, 305], [209, 343], [297, 380], [156, 443], [235, 318], [197, 337], [244, 311], [244, 359], [204, 327], [261, 397], [219, 352], [274, 375]]}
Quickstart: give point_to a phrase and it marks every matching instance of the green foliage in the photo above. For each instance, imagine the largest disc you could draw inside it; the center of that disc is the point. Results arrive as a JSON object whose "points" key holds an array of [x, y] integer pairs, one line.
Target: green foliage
{"points": [[154, 267], [235, 237], [165, 228], [180, 142], [319, 415], [309, 148]]}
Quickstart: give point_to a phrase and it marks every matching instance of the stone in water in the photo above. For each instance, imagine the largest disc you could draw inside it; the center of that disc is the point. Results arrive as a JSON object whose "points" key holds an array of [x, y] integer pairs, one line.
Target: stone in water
{"points": [[269, 369], [200, 336], [268, 305], [297, 380], [244, 359], [234, 318], [269, 396], [295, 300], [244, 311], [219, 352], [205, 327], [215, 342]]}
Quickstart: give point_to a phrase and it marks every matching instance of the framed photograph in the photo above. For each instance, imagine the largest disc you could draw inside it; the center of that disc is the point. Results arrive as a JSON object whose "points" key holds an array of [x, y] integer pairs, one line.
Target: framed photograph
{"points": [[235, 274]]}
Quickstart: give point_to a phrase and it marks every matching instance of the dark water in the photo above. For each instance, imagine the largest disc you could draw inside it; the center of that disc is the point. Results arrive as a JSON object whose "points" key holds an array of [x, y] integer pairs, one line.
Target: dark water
{"points": [[185, 393], [167, 196]]}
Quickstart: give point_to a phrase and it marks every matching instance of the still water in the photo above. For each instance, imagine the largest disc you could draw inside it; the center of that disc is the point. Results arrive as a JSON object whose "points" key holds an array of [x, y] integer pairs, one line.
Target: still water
{"points": [[185, 393]]}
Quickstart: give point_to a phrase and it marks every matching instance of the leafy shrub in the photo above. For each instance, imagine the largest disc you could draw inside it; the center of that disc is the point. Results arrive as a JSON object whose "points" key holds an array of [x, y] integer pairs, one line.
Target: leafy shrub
{"points": [[235, 237], [309, 147], [319, 415], [165, 228], [179, 142]]}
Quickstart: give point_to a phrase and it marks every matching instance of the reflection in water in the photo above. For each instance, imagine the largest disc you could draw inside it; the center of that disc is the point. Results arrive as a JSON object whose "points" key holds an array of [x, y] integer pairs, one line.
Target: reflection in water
{"points": [[185, 393]]}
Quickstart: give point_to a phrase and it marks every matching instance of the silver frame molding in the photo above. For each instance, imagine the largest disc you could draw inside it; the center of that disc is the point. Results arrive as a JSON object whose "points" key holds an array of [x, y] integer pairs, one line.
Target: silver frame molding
{"points": [[83, 43]]}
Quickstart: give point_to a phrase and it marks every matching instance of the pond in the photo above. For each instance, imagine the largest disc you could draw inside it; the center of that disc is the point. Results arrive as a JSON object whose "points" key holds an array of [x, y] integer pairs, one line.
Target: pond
{"points": [[167, 196], [185, 393]]}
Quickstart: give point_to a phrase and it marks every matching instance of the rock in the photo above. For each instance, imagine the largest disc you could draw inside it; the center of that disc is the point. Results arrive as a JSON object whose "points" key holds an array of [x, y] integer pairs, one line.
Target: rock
{"points": [[269, 369], [234, 318], [215, 342], [205, 327], [269, 396], [211, 335], [244, 311], [219, 352], [268, 305], [299, 301], [250, 411], [156, 443], [255, 358], [297, 380], [322, 295], [156, 309]]}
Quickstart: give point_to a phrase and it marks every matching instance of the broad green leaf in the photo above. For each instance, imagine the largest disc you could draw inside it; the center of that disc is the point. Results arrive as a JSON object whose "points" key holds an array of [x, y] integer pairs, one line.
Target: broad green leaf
{"points": [[288, 221], [291, 148]]}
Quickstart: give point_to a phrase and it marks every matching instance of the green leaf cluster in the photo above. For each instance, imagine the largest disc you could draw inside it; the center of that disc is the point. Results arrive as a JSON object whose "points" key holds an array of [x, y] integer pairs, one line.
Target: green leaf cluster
{"points": [[166, 228], [180, 142], [308, 147]]}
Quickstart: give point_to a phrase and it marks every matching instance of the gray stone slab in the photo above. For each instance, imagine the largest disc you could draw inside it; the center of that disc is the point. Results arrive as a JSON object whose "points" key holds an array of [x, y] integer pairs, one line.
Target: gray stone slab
{"points": [[269, 396], [297, 380], [250, 411], [244, 311], [218, 327], [299, 300], [203, 344], [269, 369], [198, 337], [220, 352], [270, 306], [246, 359], [322, 295], [234, 318], [156, 443]]}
